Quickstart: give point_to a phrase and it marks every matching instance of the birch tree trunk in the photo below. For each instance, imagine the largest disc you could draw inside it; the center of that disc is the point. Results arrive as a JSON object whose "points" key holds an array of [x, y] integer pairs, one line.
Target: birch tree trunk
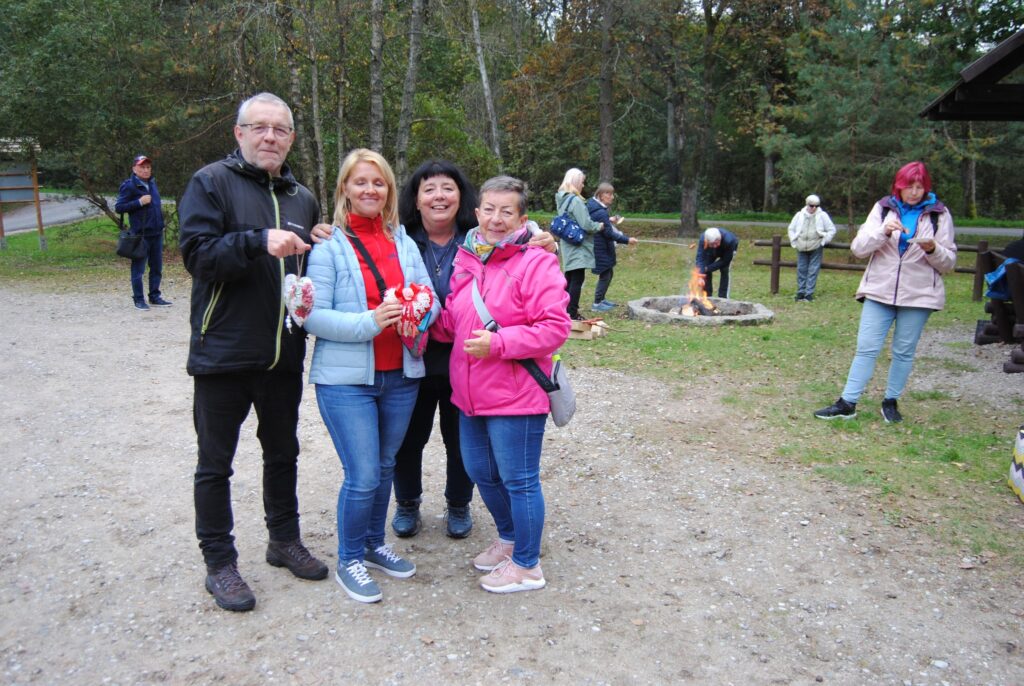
{"points": [[485, 82], [376, 75], [340, 11], [318, 137], [408, 92], [605, 104]]}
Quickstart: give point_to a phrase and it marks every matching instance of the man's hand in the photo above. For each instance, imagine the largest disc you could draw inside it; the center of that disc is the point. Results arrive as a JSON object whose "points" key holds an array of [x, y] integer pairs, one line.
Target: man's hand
{"points": [[479, 347], [145, 200], [284, 243], [544, 240], [321, 233]]}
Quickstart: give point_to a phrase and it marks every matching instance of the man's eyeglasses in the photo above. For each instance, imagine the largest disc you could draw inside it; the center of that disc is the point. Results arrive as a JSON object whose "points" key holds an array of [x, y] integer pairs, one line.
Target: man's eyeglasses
{"points": [[281, 132]]}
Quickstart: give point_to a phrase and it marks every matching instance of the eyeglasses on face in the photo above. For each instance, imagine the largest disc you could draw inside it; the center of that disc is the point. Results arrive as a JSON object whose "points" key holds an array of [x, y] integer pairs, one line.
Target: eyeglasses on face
{"points": [[281, 132]]}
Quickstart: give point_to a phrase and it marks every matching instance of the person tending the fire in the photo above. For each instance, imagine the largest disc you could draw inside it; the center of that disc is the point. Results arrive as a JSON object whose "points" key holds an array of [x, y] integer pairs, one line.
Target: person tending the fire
{"points": [[715, 251]]}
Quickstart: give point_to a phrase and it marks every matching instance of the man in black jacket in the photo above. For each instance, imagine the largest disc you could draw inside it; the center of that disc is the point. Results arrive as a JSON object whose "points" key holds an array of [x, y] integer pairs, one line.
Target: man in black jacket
{"points": [[245, 223]]}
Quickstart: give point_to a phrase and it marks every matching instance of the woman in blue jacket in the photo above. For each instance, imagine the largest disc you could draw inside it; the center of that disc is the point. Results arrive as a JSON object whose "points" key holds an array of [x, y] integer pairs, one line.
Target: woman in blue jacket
{"points": [[366, 378]]}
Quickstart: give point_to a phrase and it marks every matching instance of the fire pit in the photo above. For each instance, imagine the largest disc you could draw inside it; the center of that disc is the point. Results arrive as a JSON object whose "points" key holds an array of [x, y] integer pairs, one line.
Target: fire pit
{"points": [[666, 310], [696, 308]]}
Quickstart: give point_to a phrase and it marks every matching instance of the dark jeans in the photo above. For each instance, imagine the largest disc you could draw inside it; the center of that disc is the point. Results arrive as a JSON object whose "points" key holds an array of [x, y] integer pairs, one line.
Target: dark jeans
{"points": [[220, 405], [574, 285], [604, 279], [723, 284], [155, 257], [435, 393]]}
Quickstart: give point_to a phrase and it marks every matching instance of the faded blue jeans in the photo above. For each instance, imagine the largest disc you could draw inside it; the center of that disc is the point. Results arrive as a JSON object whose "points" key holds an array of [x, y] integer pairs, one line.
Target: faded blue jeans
{"points": [[808, 264], [367, 424], [502, 455], [875, 321]]}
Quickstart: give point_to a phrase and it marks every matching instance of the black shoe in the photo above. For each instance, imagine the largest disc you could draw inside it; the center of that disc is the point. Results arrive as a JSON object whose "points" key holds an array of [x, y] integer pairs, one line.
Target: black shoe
{"points": [[406, 521], [298, 560], [840, 409], [890, 414], [228, 588], [158, 300], [798, 297], [809, 297], [460, 521], [141, 304]]}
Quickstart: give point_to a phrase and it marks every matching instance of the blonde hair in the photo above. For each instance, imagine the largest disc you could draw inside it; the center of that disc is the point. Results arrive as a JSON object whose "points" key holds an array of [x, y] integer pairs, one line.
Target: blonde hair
{"points": [[342, 204], [573, 181]]}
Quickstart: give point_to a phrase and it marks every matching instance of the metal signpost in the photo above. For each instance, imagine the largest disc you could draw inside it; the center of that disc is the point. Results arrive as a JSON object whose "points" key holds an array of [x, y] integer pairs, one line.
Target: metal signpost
{"points": [[19, 182]]}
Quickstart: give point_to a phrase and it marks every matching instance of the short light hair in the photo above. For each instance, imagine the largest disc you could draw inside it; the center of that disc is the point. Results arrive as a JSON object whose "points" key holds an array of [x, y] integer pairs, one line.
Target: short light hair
{"points": [[506, 184], [604, 187], [712, 235], [812, 199], [269, 98], [343, 205], [573, 181]]}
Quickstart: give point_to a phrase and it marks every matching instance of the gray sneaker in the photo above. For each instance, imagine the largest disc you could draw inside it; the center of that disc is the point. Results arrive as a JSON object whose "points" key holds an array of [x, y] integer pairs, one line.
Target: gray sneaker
{"points": [[385, 559], [356, 581]]}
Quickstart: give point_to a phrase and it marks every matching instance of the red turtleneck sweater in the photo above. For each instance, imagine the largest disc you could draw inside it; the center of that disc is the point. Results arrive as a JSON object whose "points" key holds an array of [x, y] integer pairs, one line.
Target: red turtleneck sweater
{"points": [[387, 347]]}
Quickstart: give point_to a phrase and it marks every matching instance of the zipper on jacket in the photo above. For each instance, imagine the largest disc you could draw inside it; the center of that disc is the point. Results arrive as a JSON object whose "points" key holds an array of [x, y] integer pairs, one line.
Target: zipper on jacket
{"points": [[208, 314], [280, 261]]}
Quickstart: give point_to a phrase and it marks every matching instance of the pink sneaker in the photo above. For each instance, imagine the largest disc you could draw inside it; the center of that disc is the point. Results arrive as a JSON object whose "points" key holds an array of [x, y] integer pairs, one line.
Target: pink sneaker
{"points": [[508, 577], [492, 557]]}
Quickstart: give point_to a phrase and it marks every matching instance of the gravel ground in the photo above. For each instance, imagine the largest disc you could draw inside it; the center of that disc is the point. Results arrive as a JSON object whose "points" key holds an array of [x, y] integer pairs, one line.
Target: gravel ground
{"points": [[672, 556]]}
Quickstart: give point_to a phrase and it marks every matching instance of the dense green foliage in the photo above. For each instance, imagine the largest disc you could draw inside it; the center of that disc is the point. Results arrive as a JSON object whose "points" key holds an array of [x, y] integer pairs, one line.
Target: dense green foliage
{"points": [[702, 93]]}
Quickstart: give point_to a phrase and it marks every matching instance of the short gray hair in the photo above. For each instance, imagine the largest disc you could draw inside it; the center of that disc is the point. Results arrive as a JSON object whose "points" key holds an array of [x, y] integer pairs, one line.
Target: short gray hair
{"points": [[267, 98], [506, 184], [712, 235]]}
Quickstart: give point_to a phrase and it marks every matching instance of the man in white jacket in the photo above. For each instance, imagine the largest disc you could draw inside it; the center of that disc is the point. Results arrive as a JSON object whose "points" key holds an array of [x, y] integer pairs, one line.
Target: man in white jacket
{"points": [[809, 232]]}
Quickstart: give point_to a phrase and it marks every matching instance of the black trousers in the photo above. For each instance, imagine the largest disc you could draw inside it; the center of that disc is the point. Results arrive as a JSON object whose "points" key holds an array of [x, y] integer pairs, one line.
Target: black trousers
{"points": [[220, 405], [723, 284], [604, 279], [435, 393], [574, 285]]}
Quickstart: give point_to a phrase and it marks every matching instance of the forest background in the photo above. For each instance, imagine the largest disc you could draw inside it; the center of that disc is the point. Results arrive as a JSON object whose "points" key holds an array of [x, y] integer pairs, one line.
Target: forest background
{"points": [[687, 106]]}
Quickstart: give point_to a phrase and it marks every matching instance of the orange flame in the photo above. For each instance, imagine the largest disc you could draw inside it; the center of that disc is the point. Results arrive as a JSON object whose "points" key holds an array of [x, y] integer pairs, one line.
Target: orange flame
{"points": [[695, 291]]}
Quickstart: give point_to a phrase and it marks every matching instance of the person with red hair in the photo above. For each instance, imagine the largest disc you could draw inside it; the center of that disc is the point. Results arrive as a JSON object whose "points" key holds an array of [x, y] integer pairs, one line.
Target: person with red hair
{"points": [[909, 238]]}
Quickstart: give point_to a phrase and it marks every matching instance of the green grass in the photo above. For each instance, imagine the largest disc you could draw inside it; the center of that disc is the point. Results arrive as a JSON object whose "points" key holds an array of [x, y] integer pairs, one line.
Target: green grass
{"points": [[943, 469]]}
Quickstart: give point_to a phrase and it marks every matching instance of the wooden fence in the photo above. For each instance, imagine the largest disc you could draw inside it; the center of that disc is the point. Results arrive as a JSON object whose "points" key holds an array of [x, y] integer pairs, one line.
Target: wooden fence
{"points": [[776, 263]]}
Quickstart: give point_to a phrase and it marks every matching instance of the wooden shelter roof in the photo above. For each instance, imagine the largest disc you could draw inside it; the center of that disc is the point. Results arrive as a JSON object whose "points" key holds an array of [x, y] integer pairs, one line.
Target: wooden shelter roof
{"points": [[978, 95]]}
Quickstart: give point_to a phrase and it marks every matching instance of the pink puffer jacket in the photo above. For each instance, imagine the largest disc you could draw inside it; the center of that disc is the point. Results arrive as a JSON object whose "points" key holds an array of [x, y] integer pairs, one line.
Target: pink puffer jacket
{"points": [[913, 279], [524, 290]]}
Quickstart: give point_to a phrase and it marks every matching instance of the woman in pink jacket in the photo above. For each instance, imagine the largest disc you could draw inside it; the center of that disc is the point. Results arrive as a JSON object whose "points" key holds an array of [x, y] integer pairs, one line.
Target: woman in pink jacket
{"points": [[909, 238], [502, 409]]}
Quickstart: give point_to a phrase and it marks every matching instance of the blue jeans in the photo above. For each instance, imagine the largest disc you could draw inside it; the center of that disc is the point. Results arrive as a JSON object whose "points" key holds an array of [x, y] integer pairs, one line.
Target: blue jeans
{"points": [[367, 424], [155, 257], [808, 264], [502, 455], [875, 321]]}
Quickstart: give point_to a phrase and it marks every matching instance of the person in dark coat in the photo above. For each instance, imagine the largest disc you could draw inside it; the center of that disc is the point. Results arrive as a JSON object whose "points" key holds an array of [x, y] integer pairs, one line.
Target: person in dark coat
{"points": [[604, 243], [139, 198], [715, 251]]}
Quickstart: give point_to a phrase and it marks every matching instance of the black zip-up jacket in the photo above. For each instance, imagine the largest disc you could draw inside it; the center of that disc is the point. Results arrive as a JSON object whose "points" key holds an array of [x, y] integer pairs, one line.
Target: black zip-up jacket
{"points": [[237, 311]]}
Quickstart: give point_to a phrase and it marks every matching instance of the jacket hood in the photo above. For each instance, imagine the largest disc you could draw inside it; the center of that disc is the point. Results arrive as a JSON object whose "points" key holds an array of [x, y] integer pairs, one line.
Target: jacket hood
{"points": [[930, 204], [236, 163]]}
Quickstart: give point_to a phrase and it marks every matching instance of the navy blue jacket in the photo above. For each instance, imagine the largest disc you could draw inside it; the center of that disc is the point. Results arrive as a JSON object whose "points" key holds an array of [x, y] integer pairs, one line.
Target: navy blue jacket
{"points": [[717, 259], [147, 219], [605, 239]]}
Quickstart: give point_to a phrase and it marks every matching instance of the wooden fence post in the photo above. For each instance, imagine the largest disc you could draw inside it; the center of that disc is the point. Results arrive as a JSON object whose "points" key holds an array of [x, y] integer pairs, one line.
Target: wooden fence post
{"points": [[979, 271], [776, 260]]}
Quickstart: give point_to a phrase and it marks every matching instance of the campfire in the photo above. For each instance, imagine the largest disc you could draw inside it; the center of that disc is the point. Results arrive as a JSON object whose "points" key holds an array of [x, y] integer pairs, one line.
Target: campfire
{"points": [[695, 303]]}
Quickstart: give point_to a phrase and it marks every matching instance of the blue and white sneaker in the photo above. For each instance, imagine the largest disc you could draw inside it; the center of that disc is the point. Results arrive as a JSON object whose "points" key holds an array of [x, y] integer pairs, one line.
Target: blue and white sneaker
{"points": [[356, 581], [385, 559], [600, 307]]}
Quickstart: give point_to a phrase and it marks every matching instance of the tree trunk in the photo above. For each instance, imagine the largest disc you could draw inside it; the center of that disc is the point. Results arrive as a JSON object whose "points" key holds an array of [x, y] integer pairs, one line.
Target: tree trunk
{"points": [[408, 92], [307, 168], [672, 143], [771, 188], [340, 10], [376, 75], [968, 173], [605, 105], [492, 115], [318, 135]]}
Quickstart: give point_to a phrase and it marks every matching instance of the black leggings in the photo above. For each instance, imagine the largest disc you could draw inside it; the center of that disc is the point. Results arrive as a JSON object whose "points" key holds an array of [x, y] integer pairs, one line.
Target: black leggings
{"points": [[574, 285]]}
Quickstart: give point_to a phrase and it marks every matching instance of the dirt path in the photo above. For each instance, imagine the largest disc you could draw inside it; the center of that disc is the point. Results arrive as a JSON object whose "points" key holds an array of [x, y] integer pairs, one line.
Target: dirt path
{"points": [[670, 557]]}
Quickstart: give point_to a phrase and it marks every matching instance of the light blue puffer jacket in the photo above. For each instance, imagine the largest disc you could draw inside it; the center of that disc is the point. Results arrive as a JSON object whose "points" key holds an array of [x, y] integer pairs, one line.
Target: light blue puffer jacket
{"points": [[343, 326]]}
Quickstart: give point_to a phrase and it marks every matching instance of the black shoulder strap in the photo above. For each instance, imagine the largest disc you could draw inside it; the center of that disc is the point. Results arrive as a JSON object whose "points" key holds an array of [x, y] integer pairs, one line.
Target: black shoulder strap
{"points": [[358, 245]]}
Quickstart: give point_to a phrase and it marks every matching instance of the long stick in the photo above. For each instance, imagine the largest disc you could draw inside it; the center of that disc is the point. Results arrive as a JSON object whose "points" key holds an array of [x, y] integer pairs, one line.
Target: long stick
{"points": [[647, 240]]}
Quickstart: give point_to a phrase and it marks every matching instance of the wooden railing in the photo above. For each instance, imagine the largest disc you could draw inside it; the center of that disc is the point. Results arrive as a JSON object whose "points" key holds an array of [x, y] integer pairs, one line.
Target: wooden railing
{"points": [[776, 263]]}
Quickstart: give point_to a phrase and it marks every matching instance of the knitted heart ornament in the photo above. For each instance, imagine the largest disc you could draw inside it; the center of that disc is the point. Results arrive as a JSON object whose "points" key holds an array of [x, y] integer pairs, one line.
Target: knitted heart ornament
{"points": [[416, 301], [299, 295]]}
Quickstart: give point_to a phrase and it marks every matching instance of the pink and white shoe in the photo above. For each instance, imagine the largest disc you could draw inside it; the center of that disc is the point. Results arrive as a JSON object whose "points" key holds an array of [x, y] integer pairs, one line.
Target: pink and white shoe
{"points": [[508, 577], [492, 557]]}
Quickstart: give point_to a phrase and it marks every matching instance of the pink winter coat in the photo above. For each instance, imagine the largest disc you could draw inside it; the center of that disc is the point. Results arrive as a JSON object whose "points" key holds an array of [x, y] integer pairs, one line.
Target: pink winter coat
{"points": [[524, 290], [913, 279]]}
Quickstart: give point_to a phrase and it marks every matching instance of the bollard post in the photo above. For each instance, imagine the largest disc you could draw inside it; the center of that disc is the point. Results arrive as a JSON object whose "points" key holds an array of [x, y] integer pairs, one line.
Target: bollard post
{"points": [[979, 271], [776, 260]]}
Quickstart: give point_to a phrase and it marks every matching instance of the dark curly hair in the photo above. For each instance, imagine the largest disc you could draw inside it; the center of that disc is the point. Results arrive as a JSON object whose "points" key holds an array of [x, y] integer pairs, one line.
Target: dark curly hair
{"points": [[465, 218]]}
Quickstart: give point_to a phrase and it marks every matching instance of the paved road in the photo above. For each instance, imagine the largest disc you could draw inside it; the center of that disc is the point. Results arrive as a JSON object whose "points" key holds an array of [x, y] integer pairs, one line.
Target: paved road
{"points": [[973, 230], [56, 210]]}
